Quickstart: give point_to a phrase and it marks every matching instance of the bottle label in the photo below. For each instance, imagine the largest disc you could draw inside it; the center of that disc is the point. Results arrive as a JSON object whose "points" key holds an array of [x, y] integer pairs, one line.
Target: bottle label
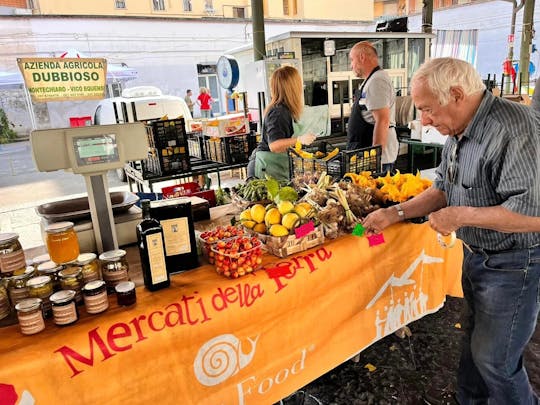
{"points": [[176, 233], [13, 261], [156, 257]]}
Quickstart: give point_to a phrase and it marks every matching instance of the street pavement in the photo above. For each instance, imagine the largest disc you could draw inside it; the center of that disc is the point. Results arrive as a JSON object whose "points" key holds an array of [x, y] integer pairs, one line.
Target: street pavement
{"points": [[23, 188]]}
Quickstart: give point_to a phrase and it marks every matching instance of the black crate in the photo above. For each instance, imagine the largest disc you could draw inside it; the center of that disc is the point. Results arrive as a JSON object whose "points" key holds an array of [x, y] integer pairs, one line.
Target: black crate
{"points": [[230, 149], [168, 143], [350, 161], [196, 145]]}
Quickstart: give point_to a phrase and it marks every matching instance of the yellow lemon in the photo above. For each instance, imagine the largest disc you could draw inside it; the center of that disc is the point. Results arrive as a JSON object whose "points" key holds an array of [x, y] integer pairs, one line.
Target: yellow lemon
{"points": [[272, 217], [257, 212], [303, 209], [290, 220], [245, 215], [278, 230], [249, 224], [260, 228], [285, 207]]}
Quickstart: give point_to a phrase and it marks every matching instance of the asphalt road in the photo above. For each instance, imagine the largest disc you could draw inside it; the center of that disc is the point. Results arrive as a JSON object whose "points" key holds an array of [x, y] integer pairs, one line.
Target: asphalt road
{"points": [[22, 185]]}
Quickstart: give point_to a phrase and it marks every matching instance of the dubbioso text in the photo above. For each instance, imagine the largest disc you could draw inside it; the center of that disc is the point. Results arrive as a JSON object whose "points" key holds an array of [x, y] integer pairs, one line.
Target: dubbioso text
{"points": [[190, 310], [60, 71]]}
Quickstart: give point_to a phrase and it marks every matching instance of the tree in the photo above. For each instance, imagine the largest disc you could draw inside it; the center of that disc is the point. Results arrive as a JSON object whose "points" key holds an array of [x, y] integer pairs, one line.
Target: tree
{"points": [[7, 134]]}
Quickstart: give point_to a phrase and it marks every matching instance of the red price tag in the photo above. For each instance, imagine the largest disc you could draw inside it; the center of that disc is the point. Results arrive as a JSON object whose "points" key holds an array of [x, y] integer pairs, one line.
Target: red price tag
{"points": [[304, 230], [375, 239]]}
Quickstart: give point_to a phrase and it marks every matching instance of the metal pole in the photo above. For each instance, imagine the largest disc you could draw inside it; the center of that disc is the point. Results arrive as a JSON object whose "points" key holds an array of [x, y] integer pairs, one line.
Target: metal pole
{"points": [[526, 40], [427, 16], [259, 48]]}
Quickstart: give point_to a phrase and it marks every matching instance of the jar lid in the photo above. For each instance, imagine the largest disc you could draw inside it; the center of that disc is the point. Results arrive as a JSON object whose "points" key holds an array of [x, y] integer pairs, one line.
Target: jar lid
{"points": [[70, 272], [59, 227], [125, 286], [49, 267], [8, 237], [92, 286], [28, 304], [27, 272], [41, 259], [38, 281], [85, 258], [112, 255], [62, 296]]}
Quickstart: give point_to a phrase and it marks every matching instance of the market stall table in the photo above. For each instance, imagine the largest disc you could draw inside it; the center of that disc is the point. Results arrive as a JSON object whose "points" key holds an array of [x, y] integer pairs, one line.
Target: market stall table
{"points": [[252, 340]]}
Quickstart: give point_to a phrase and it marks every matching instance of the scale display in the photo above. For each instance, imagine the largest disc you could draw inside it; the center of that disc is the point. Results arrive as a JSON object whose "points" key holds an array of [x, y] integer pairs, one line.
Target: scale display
{"points": [[93, 150]]}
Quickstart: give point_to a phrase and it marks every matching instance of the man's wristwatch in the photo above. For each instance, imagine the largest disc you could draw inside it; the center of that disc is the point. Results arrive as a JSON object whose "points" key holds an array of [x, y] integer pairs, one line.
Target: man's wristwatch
{"points": [[400, 212]]}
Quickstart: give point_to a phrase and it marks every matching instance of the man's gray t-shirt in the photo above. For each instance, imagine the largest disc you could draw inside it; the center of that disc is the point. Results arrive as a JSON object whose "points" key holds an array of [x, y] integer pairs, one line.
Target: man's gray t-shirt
{"points": [[379, 93]]}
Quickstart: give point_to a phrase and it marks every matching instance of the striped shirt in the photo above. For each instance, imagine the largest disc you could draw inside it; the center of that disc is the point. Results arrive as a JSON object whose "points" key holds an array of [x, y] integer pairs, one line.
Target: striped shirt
{"points": [[496, 162]]}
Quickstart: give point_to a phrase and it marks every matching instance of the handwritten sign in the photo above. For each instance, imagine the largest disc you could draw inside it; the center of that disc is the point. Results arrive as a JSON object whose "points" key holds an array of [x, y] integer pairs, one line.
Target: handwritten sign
{"points": [[304, 230], [375, 239]]}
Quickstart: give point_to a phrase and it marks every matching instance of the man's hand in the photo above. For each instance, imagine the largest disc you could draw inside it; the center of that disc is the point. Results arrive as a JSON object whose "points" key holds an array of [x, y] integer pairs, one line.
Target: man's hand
{"points": [[446, 220], [379, 220]]}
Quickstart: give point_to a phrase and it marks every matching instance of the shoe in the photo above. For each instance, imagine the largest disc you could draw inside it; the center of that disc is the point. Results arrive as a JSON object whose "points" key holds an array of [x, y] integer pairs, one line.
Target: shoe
{"points": [[440, 397]]}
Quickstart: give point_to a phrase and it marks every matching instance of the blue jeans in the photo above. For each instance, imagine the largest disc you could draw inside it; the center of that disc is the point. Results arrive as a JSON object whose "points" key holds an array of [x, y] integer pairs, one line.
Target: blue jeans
{"points": [[206, 113], [387, 167], [502, 294]]}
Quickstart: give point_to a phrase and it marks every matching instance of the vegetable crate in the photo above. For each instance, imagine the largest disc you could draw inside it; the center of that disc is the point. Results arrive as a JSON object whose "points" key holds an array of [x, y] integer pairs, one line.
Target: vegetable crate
{"points": [[283, 246], [355, 161], [195, 143], [167, 141], [229, 149]]}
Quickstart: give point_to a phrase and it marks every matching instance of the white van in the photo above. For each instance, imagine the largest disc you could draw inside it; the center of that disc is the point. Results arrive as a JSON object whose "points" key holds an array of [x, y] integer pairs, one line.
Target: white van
{"points": [[142, 103]]}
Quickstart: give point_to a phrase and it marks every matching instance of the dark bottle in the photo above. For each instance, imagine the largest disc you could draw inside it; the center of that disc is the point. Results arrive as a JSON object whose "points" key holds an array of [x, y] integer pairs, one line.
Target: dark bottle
{"points": [[152, 250]]}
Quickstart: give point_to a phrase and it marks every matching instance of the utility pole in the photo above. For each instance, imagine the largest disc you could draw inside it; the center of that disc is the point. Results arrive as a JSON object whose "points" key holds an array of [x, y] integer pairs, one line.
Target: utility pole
{"points": [[526, 41], [508, 65], [427, 16], [257, 17]]}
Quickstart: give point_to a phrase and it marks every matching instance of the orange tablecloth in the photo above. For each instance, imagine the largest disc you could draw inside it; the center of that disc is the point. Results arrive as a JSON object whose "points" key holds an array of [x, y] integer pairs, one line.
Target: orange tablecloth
{"points": [[254, 340]]}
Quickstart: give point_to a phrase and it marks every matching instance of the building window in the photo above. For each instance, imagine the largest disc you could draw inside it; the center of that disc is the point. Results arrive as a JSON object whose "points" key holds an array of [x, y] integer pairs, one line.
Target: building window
{"points": [[239, 12], [187, 5], [120, 3], [286, 10], [31, 4], [209, 6], [159, 5]]}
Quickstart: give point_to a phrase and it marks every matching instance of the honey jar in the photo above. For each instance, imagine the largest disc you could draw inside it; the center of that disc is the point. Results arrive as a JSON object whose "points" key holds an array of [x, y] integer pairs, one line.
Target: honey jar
{"points": [[114, 268], [17, 289], [12, 260], [50, 269], [62, 242], [90, 267], [30, 314], [64, 308], [71, 279], [36, 261], [95, 297], [125, 293], [41, 287]]}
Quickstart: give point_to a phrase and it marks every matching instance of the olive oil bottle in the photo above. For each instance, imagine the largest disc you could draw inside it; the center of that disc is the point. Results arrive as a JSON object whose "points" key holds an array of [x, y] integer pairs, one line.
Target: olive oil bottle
{"points": [[152, 250]]}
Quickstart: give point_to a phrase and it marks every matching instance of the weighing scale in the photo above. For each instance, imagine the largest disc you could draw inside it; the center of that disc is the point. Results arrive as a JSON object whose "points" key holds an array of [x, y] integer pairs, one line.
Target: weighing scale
{"points": [[92, 151]]}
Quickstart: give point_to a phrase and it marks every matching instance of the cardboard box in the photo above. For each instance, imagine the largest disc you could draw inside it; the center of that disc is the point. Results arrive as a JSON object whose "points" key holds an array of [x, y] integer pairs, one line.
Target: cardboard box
{"points": [[226, 125]]}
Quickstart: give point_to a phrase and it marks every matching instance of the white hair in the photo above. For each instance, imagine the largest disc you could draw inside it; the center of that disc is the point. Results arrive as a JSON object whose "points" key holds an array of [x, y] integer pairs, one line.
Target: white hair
{"points": [[441, 74]]}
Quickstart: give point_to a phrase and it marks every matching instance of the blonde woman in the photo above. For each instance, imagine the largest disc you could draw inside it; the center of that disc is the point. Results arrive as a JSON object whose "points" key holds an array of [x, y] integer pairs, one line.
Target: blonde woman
{"points": [[204, 100], [286, 105]]}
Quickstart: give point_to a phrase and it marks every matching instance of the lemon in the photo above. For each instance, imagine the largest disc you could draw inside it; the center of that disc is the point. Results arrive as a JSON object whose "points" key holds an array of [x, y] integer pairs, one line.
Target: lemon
{"points": [[278, 230], [303, 209], [249, 224], [285, 207], [257, 213], [245, 215], [290, 220], [260, 228], [272, 217]]}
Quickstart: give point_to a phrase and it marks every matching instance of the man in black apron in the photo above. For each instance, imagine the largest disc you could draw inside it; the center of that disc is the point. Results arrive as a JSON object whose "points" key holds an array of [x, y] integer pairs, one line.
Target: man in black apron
{"points": [[374, 125]]}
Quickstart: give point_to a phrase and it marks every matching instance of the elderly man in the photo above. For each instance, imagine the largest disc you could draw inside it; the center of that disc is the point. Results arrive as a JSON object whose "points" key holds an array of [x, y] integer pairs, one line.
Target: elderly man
{"points": [[487, 190], [372, 120]]}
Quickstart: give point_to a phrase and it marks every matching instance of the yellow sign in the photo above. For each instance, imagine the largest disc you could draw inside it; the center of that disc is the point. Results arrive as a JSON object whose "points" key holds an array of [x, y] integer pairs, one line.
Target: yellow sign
{"points": [[58, 79]]}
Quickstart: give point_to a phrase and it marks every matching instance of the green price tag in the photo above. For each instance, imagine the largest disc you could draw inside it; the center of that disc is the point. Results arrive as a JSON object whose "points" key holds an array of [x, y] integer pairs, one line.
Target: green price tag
{"points": [[358, 230]]}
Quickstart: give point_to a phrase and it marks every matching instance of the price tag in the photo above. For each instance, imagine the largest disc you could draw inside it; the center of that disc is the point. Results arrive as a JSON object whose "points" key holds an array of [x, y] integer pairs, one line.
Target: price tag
{"points": [[375, 239], [358, 230], [304, 230]]}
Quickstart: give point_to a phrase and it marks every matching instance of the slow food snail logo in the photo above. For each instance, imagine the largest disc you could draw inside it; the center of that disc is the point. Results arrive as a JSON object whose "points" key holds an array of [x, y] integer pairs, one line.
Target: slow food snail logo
{"points": [[220, 358]]}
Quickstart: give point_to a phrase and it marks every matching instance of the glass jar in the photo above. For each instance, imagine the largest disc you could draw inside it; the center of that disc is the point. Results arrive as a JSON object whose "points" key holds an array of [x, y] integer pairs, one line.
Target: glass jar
{"points": [[95, 296], [12, 260], [17, 289], [114, 267], [30, 314], [90, 267], [41, 287], [71, 279], [50, 269], [64, 308], [125, 293], [36, 261], [62, 242], [5, 308]]}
